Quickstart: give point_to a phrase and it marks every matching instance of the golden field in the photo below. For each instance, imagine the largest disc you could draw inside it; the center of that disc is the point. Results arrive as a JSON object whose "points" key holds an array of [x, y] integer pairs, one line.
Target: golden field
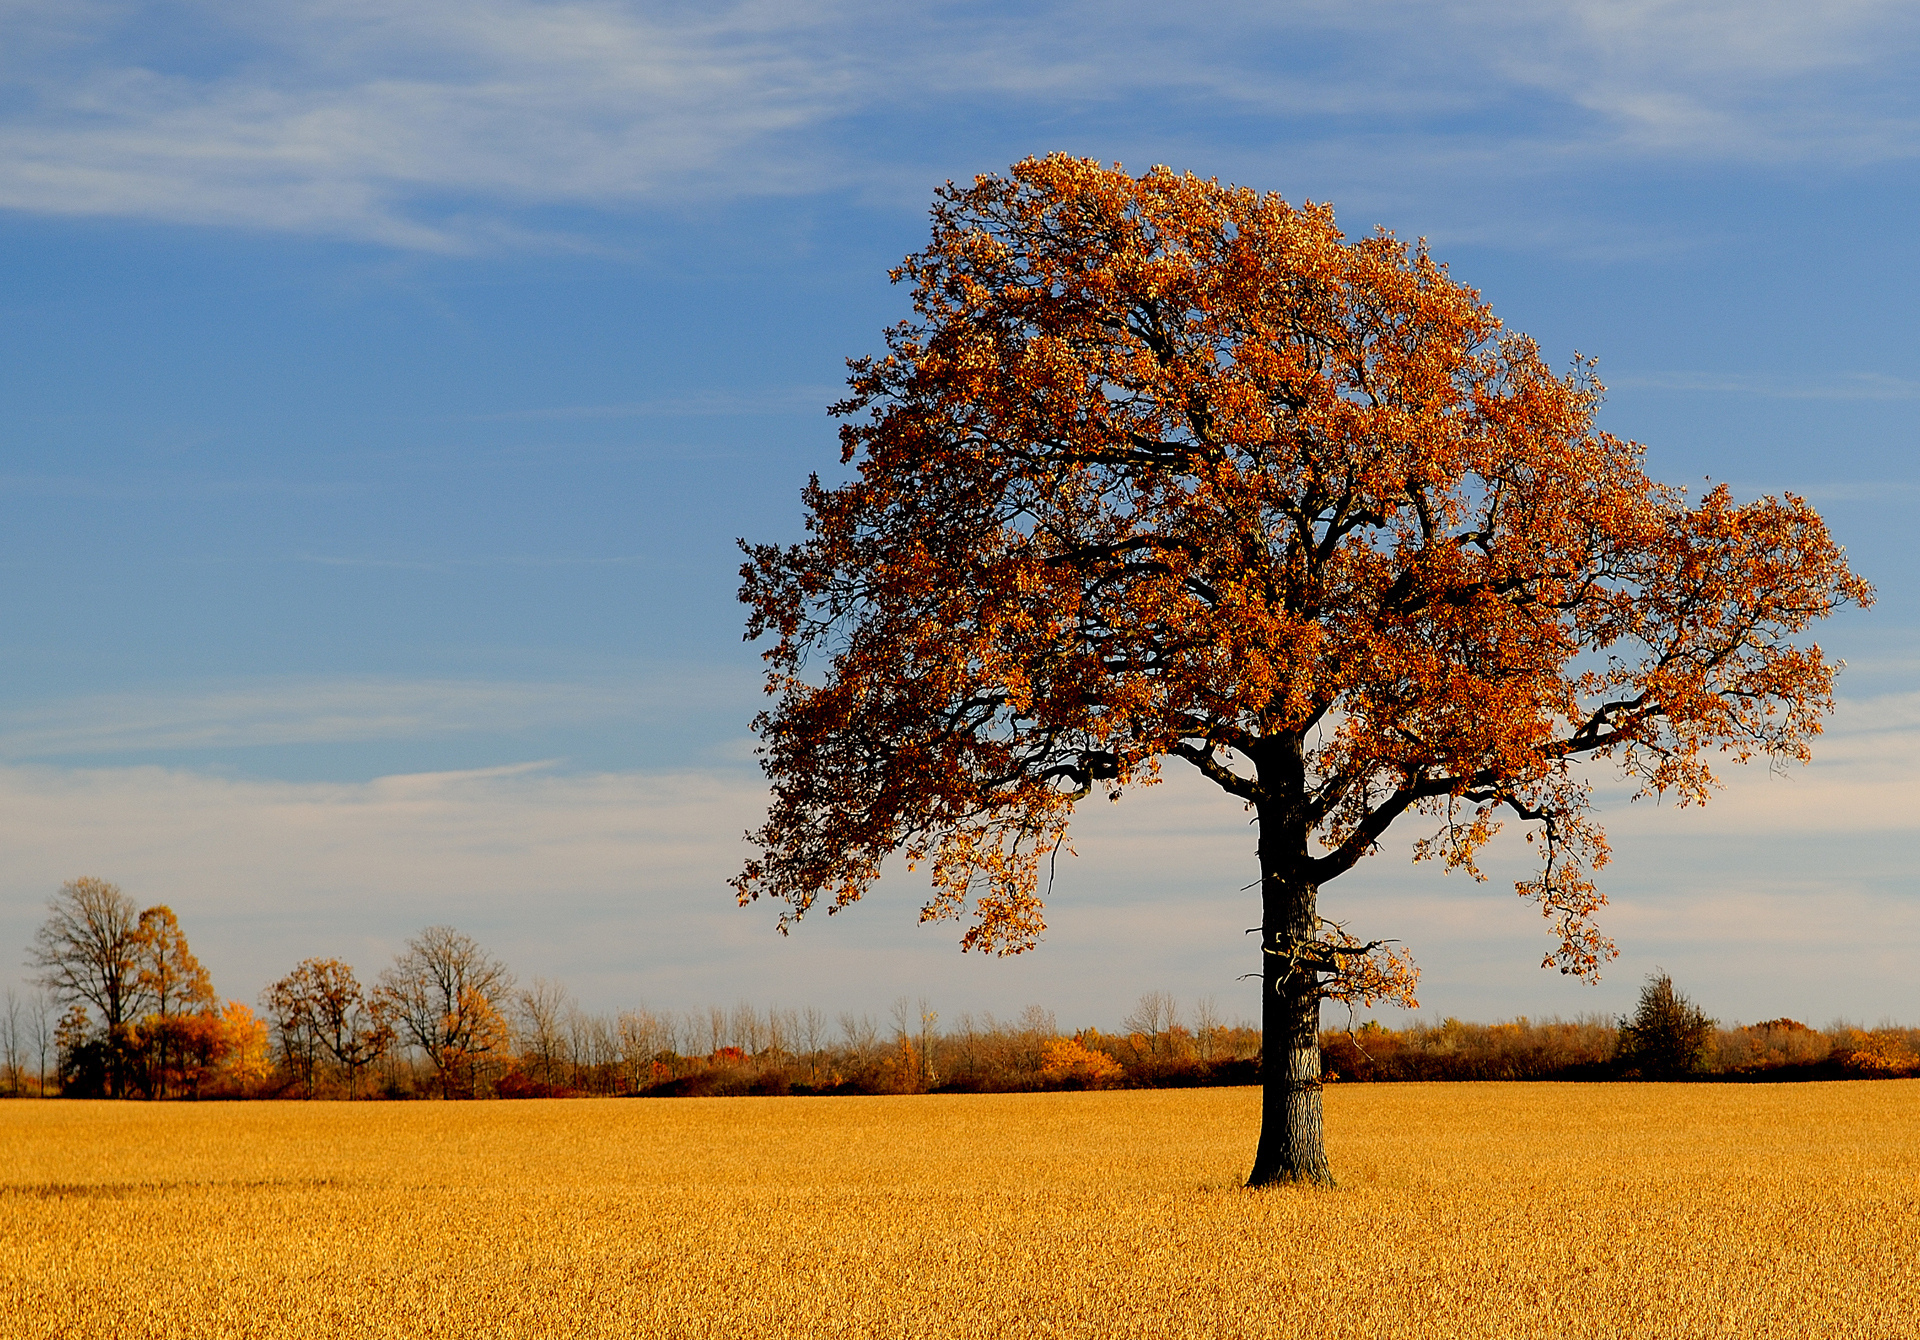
{"points": [[1555, 1210]]}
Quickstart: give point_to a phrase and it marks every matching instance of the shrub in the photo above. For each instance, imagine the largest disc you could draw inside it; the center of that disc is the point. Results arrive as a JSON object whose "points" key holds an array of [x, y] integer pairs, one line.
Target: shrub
{"points": [[1070, 1063], [1885, 1051], [1774, 1044], [1518, 1050], [518, 1084]]}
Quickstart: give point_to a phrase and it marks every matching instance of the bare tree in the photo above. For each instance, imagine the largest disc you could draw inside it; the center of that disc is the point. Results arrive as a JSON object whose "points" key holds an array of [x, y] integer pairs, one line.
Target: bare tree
{"points": [[1038, 1020], [293, 1016], [1035, 1029], [41, 1020], [353, 1029], [746, 1029], [1153, 1018], [88, 953], [593, 1043], [10, 1042], [716, 1028], [970, 1042], [783, 1031], [813, 1031], [1206, 1026], [860, 1031], [447, 995], [541, 1010], [579, 1040], [690, 1027], [644, 1038]]}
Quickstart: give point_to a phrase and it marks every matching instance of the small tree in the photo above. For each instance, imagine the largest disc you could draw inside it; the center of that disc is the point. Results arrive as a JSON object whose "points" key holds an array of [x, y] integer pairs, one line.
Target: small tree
{"points": [[248, 1053], [42, 1018], [1070, 1063], [1206, 1027], [1667, 1035], [542, 1012], [12, 1042], [325, 1009], [1154, 1020], [432, 994], [88, 952], [181, 994], [87, 1059], [294, 1018]]}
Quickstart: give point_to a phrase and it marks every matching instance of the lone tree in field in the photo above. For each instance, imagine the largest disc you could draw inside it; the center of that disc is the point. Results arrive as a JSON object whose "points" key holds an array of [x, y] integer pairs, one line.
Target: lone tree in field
{"points": [[1170, 469], [1667, 1035]]}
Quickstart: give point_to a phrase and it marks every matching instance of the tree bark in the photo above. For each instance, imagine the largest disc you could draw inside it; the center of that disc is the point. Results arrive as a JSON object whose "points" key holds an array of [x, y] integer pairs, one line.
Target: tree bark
{"points": [[1292, 1148]]}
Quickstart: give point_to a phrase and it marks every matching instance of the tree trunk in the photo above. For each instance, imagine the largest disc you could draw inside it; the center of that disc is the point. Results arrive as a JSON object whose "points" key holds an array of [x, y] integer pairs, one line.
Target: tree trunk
{"points": [[1291, 1145]]}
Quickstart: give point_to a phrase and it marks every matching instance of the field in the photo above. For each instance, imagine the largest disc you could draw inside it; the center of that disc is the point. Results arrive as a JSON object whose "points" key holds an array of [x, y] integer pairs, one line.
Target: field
{"points": [[1556, 1210]]}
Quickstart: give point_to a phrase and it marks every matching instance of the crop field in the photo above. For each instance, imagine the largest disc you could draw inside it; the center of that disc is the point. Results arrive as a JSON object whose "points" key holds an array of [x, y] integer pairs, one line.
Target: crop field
{"points": [[1555, 1210]]}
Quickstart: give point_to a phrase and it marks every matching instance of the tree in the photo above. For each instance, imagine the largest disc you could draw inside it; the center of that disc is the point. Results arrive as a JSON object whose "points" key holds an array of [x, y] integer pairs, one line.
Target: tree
{"points": [[247, 1058], [40, 1019], [1667, 1035], [181, 994], [12, 1042], [88, 953], [1154, 1018], [319, 1008], [85, 1057], [433, 994], [542, 1010], [481, 1046], [293, 1016], [1169, 470], [1206, 1027], [169, 974]]}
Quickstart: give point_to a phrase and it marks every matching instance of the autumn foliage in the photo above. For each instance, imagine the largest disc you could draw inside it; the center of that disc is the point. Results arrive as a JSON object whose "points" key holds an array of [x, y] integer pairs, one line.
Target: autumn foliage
{"points": [[1167, 469], [141, 1014], [325, 1036]]}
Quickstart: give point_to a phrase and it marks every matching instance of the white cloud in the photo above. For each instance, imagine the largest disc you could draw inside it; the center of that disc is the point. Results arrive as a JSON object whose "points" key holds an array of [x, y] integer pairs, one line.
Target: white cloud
{"points": [[1780, 896], [1864, 778], [430, 123], [270, 871], [339, 711], [1721, 76], [614, 883]]}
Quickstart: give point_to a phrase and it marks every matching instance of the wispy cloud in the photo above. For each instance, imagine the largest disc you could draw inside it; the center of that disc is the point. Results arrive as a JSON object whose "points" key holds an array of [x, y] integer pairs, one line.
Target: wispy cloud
{"points": [[1864, 778], [342, 711], [436, 125], [616, 882]]}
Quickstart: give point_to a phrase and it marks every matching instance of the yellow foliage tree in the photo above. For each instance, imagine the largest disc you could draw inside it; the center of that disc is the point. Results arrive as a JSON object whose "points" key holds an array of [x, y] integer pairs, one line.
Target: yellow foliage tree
{"points": [[1069, 1061]]}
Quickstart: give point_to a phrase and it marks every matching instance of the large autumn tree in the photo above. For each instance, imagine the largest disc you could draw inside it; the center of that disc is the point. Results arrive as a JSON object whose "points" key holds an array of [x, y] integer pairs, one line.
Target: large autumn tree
{"points": [[1170, 470]]}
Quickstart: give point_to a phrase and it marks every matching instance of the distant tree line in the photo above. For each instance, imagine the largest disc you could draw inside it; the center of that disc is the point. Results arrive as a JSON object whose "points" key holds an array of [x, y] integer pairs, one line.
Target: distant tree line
{"points": [[124, 1009], [1666, 1037]]}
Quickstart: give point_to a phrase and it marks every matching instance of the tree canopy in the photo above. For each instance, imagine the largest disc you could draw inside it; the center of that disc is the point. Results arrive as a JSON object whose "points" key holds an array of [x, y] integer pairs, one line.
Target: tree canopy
{"points": [[1164, 469]]}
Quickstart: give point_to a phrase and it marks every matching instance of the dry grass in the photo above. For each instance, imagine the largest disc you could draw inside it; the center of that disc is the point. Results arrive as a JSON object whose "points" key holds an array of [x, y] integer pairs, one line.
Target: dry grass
{"points": [[1466, 1210]]}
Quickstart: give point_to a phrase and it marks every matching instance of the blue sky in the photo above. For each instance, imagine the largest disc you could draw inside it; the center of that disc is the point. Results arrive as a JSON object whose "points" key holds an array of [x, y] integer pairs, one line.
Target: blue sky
{"points": [[382, 388]]}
